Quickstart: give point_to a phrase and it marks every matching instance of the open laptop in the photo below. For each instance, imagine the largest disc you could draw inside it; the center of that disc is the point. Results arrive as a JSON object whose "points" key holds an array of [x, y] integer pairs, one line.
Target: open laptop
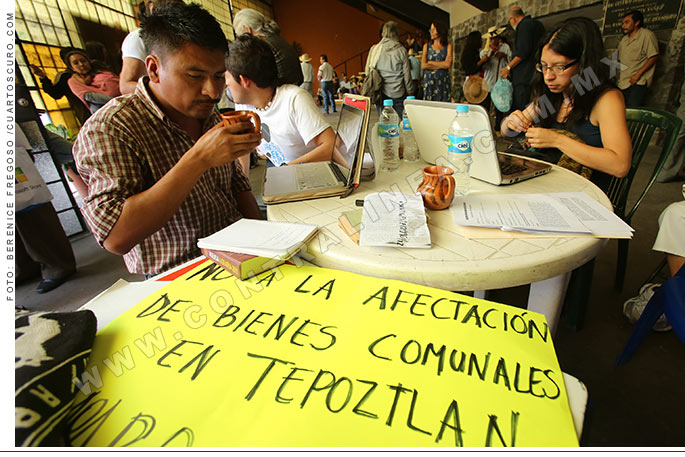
{"points": [[430, 120], [340, 176]]}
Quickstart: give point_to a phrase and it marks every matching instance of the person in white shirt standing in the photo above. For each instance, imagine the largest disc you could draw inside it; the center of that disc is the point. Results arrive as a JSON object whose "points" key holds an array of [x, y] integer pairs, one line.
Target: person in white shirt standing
{"points": [[307, 73], [293, 129], [133, 53], [326, 75]]}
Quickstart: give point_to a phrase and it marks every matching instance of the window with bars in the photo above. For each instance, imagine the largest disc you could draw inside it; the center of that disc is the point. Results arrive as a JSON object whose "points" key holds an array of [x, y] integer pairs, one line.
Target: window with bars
{"points": [[44, 26]]}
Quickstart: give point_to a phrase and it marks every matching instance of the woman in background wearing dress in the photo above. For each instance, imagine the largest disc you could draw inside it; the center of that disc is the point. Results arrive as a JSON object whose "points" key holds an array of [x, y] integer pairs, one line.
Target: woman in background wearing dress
{"points": [[436, 60]]}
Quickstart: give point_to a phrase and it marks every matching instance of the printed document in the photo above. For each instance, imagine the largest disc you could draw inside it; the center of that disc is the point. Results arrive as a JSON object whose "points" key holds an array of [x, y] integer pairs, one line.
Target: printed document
{"points": [[394, 219], [600, 220], [557, 213]]}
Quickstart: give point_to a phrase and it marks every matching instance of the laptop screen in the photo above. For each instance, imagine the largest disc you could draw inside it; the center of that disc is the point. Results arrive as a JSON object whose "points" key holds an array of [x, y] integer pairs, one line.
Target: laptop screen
{"points": [[347, 138]]}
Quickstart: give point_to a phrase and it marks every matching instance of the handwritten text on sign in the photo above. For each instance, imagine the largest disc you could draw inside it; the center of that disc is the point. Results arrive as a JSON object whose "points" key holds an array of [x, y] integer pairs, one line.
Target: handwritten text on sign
{"points": [[315, 357]]}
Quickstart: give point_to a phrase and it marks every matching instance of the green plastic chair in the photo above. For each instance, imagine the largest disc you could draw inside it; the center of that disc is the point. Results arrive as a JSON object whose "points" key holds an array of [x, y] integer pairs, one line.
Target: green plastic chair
{"points": [[642, 123]]}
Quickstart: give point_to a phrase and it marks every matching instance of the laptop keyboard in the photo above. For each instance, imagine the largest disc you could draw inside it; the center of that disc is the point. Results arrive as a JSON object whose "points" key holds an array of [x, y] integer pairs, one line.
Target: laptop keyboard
{"points": [[316, 178], [509, 168]]}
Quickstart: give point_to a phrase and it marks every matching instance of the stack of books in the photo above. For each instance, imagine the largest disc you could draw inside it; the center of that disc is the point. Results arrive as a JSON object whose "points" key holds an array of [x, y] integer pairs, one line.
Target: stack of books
{"points": [[249, 246]]}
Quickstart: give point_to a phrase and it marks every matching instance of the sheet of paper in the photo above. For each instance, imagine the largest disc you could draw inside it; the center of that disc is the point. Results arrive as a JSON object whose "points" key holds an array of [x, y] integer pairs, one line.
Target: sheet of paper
{"points": [[394, 219], [317, 357], [593, 215], [491, 233], [531, 213], [263, 238]]}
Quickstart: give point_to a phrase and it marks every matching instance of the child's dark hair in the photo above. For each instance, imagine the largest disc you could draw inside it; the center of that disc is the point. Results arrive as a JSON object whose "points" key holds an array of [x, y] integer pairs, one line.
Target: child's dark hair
{"points": [[252, 58]]}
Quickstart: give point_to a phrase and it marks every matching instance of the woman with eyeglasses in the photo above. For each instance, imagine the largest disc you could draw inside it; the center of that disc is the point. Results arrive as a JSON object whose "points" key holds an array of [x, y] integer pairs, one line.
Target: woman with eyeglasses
{"points": [[576, 108]]}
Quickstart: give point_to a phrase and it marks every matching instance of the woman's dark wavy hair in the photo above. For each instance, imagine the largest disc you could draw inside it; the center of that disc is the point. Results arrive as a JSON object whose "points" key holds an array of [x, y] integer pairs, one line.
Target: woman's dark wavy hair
{"points": [[442, 31], [470, 55], [579, 39]]}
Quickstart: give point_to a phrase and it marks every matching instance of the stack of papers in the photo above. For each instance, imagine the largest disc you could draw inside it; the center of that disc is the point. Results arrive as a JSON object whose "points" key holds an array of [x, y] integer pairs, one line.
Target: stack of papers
{"points": [[558, 214], [394, 219], [275, 240]]}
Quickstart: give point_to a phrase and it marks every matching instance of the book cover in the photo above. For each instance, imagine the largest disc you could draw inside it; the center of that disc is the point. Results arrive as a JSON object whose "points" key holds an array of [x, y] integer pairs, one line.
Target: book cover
{"points": [[240, 265], [350, 222]]}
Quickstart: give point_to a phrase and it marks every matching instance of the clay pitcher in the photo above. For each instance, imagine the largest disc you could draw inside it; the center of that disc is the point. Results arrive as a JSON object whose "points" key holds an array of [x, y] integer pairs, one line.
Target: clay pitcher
{"points": [[437, 187]]}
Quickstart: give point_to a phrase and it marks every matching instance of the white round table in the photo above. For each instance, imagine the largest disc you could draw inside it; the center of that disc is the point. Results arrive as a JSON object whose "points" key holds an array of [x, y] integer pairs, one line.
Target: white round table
{"points": [[454, 262]]}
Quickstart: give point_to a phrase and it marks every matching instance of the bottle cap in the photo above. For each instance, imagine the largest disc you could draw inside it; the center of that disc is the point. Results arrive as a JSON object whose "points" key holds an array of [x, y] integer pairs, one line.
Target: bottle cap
{"points": [[387, 102], [411, 97], [462, 108]]}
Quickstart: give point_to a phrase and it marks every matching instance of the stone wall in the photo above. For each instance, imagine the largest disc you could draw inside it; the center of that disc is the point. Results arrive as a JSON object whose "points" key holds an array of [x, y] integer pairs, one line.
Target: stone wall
{"points": [[665, 90]]}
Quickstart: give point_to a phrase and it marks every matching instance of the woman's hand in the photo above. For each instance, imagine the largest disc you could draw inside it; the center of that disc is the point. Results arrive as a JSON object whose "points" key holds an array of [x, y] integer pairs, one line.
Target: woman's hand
{"points": [[37, 71], [517, 121], [543, 138]]}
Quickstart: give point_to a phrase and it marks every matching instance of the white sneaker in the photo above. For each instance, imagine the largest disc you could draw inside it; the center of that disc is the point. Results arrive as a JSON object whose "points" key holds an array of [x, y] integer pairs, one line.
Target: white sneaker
{"points": [[633, 307]]}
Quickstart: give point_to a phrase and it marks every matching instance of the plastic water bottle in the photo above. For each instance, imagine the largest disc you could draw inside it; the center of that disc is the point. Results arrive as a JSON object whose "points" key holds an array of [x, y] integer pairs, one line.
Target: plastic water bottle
{"points": [[459, 150], [410, 149], [389, 133]]}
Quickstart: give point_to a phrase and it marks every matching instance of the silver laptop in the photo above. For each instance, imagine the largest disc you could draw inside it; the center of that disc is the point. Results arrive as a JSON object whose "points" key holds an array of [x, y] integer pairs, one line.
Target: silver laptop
{"points": [[321, 179], [430, 120]]}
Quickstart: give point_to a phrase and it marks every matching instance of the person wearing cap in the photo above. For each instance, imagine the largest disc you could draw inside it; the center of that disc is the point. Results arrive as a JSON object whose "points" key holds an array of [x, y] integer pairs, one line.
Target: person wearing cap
{"points": [[494, 57], [307, 73]]}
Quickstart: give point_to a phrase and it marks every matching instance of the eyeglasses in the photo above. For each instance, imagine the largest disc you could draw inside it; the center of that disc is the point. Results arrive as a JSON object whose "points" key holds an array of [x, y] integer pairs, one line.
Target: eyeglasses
{"points": [[556, 69]]}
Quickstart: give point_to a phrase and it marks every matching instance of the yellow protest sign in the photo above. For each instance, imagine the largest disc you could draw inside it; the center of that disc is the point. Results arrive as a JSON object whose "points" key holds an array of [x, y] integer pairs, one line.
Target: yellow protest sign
{"points": [[306, 356]]}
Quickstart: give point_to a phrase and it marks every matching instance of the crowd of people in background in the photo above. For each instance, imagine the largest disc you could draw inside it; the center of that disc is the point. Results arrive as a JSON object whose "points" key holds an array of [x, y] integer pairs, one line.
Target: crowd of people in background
{"points": [[516, 80]]}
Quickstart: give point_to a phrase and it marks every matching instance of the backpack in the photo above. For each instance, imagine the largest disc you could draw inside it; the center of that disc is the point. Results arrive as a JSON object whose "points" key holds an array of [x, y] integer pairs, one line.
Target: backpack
{"points": [[373, 84]]}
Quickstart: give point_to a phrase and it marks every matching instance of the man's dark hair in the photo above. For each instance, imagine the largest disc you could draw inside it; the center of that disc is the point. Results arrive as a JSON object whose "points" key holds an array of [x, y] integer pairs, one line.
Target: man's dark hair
{"points": [[637, 16], [252, 58], [173, 25], [324, 57]]}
